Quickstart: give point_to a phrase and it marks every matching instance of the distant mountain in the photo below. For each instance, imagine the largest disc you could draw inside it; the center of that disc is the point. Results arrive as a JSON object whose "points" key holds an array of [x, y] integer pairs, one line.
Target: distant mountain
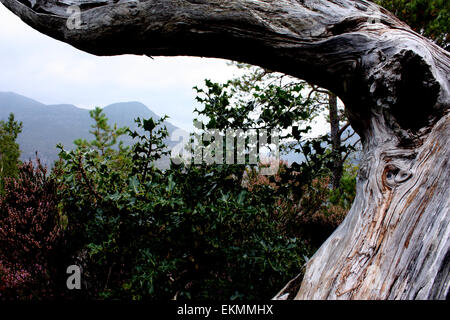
{"points": [[44, 126]]}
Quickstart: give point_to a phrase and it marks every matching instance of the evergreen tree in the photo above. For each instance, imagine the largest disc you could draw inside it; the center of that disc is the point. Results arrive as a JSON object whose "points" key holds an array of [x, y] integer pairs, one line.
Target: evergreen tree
{"points": [[105, 145], [9, 149], [105, 136]]}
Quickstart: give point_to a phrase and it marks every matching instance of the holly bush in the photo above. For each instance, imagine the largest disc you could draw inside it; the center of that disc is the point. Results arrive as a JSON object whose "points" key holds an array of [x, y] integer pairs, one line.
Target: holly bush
{"points": [[189, 232]]}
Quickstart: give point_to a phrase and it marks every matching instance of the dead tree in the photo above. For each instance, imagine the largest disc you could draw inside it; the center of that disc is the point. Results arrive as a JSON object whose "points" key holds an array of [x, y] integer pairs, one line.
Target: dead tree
{"points": [[394, 243]]}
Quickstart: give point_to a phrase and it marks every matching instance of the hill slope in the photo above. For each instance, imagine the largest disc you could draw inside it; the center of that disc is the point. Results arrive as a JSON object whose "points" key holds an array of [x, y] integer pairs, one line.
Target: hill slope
{"points": [[44, 126]]}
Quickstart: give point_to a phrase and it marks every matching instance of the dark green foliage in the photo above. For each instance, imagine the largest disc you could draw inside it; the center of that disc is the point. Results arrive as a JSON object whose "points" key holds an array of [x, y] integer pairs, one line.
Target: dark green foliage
{"points": [[257, 100], [105, 136], [150, 147], [9, 149], [310, 204], [344, 196], [428, 17], [187, 232], [261, 99]]}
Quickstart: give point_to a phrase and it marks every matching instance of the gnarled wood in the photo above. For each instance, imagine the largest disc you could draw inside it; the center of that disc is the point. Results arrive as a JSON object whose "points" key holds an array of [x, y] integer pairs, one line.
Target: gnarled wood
{"points": [[394, 243]]}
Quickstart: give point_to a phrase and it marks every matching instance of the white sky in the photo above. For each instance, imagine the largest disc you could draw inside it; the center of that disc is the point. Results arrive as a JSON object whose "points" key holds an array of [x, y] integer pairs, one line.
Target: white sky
{"points": [[53, 72]]}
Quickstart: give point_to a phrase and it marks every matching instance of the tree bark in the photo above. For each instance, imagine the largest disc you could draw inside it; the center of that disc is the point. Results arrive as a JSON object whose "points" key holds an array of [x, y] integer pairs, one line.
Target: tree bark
{"points": [[394, 242], [338, 164]]}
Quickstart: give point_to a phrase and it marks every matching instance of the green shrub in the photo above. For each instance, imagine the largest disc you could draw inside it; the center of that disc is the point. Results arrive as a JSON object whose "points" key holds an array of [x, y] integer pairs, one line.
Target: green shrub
{"points": [[187, 233]]}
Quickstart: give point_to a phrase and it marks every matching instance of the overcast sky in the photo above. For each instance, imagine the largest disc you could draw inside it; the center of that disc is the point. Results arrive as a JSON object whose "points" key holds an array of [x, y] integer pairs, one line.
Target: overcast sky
{"points": [[52, 72]]}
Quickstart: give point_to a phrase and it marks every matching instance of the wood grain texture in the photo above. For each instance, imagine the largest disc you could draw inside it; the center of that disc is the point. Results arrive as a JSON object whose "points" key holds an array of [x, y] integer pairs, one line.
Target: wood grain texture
{"points": [[394, 243]]}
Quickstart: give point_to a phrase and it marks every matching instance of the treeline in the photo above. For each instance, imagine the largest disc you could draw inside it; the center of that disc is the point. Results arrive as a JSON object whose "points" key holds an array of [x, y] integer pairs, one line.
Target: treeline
{"points": [[189, 232]]}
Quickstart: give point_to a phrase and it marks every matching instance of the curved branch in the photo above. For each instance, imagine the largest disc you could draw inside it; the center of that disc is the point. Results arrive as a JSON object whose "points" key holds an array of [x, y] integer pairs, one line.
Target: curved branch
{"points": [[331, 43]]}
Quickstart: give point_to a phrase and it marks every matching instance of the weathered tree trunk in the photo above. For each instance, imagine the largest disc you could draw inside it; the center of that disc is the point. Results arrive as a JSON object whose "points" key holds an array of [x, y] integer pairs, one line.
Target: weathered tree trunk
{"points": [[394, 243]]}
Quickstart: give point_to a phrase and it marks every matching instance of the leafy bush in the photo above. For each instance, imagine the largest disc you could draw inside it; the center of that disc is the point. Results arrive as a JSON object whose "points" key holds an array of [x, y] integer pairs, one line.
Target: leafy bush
{"points": [[190, 232], [187, 232], [310, 211], [31, 235]]}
